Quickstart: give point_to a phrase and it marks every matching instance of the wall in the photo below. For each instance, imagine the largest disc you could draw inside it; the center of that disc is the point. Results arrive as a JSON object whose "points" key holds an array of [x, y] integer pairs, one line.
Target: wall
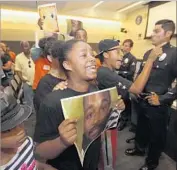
{"points": [[22, 26], [141, 45]]}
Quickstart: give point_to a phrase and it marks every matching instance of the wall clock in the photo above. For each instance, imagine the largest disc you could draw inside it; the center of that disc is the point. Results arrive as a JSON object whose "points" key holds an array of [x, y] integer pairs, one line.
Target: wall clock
{"points": [[138, 20]]}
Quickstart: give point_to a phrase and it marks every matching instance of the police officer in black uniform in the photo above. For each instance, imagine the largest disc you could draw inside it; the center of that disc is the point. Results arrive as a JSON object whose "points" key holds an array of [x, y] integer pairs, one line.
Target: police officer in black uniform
{"points": [[128, 67], [127, 70], [154, 102]]}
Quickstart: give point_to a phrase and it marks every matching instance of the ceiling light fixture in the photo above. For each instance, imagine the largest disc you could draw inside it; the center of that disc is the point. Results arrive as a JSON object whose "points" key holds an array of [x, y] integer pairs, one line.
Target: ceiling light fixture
{"points": [[32, 17], [131, 6], [97, 4]]}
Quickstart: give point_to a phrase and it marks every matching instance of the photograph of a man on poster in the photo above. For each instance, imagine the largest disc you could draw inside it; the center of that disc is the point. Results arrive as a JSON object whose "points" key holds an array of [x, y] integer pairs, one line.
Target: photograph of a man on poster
{"points": [[95, 112], [97, 116]]}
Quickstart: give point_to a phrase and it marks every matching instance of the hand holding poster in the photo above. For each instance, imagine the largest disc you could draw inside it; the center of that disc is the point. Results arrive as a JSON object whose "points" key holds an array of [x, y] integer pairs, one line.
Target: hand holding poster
{"points": [[95, 112], [48, 16]]}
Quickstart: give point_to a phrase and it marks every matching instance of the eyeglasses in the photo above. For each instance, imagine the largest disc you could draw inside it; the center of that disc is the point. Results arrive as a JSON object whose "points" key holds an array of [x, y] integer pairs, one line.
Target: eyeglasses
{"points": [[29, 63], [112, 49]]}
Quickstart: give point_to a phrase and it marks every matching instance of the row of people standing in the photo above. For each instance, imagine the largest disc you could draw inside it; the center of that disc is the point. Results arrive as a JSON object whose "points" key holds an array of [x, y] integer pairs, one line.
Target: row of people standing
{"points": [[55, 136]]}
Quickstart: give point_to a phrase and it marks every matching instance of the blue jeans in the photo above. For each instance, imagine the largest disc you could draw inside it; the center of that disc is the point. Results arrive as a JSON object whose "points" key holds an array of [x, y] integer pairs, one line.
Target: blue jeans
{"points": [[28, 95]]}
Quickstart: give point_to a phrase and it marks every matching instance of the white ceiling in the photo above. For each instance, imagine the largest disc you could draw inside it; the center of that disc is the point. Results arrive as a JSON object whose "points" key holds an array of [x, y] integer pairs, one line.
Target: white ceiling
{"points": [[106, 10]]}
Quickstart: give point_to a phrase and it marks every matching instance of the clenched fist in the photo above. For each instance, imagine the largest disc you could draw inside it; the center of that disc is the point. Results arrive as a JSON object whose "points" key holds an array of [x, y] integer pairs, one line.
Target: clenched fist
{"points": [[68, 132]]}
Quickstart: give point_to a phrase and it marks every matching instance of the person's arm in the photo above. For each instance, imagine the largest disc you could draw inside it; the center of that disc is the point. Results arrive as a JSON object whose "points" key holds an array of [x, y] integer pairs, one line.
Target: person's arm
{"points": [[168, 97], [50, 149], [171, 95], [52, 134], [140, 82], [40, 23], [138, 85]]}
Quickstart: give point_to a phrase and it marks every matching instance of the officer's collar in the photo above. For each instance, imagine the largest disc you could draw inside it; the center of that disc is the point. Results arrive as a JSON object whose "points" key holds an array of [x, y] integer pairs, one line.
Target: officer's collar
{"points": [[127, 54], [167, 45]]}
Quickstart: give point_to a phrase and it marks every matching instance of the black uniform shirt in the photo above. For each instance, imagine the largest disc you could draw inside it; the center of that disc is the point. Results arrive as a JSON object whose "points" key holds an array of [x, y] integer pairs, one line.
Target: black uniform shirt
{"points": [[128, 66], [164, 70]]}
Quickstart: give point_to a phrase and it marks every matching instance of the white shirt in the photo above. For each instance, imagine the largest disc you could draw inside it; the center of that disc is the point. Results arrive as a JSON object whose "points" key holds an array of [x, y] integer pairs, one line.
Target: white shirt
{"points": [[26, 66]]}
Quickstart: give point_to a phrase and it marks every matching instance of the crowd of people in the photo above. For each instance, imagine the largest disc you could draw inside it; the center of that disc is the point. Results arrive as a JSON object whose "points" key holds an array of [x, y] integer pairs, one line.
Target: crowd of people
{"points": [[70, 68]]}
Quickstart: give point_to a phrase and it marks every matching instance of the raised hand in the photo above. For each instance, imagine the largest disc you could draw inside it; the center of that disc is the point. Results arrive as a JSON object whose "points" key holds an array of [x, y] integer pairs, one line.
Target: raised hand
{"points": [[61, 86], [156, 52], [68, 132]]}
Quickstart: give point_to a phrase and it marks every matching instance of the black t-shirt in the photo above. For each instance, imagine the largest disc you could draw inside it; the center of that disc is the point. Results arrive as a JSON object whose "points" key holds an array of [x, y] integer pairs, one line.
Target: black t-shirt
{"points": [[49, 117], [45, 86], [107, 78], [127, 69], [164, 70]]}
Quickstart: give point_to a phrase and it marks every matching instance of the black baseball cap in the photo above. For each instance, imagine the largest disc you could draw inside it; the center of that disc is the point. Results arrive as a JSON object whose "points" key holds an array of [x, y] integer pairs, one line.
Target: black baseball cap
{"points": [[107, 44], [12, 113]]}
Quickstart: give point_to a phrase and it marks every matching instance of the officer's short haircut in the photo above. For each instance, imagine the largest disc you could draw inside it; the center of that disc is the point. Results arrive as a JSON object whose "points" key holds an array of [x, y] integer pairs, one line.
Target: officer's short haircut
{"points": [[129, 41], [167, 25]]}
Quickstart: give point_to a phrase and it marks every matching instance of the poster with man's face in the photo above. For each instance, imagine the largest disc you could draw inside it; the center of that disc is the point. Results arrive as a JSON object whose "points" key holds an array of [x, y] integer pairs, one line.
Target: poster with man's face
{"points": [[73, 26], [48, 15], [95, 112]]}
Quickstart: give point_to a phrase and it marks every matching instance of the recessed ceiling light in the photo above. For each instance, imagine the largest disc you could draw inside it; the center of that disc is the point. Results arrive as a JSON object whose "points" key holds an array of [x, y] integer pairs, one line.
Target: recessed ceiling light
{"points": [[130, 6], [97, 4]]}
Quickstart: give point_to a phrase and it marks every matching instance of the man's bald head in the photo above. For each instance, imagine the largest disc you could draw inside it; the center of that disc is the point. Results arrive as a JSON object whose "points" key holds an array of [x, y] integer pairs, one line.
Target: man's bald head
{"points": [[25, 47]]}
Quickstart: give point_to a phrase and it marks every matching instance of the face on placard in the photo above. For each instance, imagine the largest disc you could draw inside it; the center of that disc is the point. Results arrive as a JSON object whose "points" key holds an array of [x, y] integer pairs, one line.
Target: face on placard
{"points": [[75, 25], [96, 110], [114, 57], [81, 35], [81, 62], [159, 35], [13, 138]]}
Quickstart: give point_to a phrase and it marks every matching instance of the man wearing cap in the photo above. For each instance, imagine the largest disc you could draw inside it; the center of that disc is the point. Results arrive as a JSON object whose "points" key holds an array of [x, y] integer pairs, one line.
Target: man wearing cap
{"points": [[153, 120], [111, 60]]}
